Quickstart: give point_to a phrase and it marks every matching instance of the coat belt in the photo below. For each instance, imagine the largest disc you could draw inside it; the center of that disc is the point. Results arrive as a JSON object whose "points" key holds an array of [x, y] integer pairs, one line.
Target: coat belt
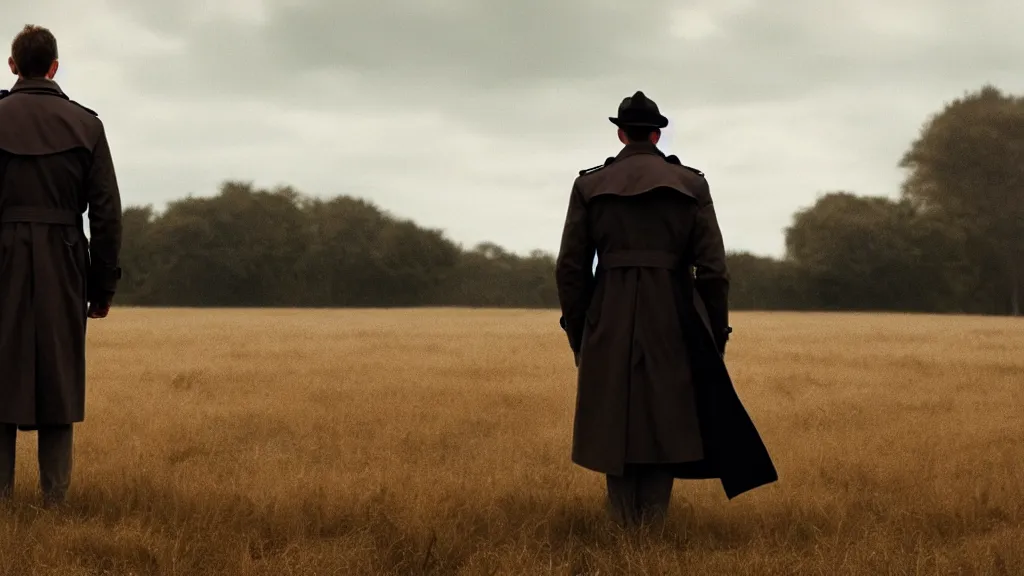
{"points": [[35, 215], [639, 259]]}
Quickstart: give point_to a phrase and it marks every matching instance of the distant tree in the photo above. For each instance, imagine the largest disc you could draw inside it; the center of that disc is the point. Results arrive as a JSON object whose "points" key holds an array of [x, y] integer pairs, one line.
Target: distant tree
{"points": [[764, 283], [238, 248], [968, 164], [871, 253], [413, 262], [136, 254], [252, 247], [339, 266]]}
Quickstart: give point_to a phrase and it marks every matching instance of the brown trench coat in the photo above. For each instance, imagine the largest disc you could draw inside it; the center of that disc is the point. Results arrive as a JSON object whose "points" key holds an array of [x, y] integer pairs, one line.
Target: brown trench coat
{"points": [[54, 164], [649, 327]]}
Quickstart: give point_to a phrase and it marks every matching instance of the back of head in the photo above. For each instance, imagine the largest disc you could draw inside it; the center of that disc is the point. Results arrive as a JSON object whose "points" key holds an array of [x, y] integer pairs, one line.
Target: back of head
{"points": [[34, 53], [640, 134]]}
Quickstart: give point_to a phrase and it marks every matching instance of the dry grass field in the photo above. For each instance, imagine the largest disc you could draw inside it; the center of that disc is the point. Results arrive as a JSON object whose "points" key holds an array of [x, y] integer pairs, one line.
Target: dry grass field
{"points": [[437, 442]]}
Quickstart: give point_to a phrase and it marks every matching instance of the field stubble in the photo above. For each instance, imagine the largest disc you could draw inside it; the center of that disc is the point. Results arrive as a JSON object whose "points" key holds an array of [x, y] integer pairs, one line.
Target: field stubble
{"points": [[437, 442]]}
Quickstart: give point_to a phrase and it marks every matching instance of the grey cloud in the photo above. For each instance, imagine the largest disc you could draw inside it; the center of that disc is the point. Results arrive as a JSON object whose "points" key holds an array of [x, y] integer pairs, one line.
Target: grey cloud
{"points": [[513, 67], [861, 44], [471, 57], [484, 43], [497, 45], [540, 68]]}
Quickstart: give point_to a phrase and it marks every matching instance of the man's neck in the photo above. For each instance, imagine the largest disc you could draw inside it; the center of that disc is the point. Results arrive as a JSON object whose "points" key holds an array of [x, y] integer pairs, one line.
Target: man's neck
{"points": [[642, 145]]}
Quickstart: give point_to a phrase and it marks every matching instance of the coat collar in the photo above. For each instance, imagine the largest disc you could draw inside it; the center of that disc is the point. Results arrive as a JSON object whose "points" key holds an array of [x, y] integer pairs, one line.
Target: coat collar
{"points": [[635, 148], [31, 86]]}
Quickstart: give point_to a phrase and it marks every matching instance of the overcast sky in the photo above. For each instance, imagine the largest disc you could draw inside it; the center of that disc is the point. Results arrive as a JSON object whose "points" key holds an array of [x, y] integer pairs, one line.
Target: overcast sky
{"points": [[475, 116]]}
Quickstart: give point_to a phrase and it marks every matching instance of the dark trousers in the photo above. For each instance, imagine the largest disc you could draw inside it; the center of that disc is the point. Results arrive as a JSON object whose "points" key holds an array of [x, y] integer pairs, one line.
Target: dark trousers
{"points": [[641, 495], [55, 460]]}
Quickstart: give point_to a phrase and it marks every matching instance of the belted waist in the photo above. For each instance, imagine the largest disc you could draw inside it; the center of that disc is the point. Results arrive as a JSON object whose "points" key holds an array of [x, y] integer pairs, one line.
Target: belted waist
{"points": [[33, 215], [639, 259]]}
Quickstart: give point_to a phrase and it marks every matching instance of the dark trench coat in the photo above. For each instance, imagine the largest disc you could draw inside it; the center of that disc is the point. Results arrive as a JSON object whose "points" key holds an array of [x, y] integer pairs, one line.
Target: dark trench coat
{"points": [[648, 329], [54, 165]]}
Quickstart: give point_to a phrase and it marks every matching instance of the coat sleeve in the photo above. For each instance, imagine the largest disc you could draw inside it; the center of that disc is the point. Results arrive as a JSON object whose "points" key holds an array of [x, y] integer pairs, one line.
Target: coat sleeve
{"points": [[574, 274], [105, 224], [711, 274]]}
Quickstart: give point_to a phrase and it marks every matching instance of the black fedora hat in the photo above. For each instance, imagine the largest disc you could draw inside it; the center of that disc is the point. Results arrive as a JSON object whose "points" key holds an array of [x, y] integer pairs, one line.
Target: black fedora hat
{"points": [[639, 110]]}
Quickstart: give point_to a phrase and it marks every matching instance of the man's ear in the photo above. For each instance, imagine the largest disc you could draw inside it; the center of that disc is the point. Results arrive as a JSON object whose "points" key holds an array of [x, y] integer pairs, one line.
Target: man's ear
{"points": [[622, 136], [655, 136], [14, 67], [53, 70]]}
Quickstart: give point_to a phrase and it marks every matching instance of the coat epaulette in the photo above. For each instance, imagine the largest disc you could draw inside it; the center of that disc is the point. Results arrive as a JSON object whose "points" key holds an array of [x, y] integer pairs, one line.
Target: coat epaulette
{"points": [[598, 167], [89, 110], [675, 160]]}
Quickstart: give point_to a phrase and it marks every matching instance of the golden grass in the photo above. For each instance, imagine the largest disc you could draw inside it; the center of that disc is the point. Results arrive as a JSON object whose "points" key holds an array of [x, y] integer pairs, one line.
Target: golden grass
{"points": [[437, 442]]}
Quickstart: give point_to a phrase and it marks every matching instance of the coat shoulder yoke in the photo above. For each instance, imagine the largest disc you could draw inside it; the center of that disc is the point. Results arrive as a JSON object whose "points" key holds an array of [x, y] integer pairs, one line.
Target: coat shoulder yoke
{"points": [[52, 123], [673, 159], [6, 93]]}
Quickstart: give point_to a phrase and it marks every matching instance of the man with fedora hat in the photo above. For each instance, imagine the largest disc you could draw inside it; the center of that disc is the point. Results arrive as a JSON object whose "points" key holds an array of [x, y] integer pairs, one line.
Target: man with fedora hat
{"points": [[649, 327]]}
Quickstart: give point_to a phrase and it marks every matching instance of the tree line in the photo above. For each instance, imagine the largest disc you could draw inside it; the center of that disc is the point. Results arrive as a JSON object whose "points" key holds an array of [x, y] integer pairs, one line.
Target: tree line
{"points": [[952, 241], [247, 247]]}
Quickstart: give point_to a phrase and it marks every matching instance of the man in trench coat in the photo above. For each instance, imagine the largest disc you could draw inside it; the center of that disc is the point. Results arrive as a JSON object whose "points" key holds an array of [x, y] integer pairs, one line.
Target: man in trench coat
{"points": [[54, 165], [648, 329]]}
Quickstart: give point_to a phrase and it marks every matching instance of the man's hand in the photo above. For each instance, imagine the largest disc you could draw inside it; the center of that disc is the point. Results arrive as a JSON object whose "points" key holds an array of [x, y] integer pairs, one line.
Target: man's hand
{"points": [[725, 340], [99, 309]]}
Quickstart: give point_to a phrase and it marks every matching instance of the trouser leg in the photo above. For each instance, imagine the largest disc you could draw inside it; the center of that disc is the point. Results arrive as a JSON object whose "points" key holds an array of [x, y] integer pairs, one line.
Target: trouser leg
{"points": [[55, 461], [654, 492], [640, 495], [8, 444], [622, 497]]}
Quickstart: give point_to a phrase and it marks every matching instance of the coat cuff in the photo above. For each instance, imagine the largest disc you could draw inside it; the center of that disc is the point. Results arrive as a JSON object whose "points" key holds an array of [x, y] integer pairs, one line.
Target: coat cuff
{"points": [[103, 280], [571, 333], [724, 339]]}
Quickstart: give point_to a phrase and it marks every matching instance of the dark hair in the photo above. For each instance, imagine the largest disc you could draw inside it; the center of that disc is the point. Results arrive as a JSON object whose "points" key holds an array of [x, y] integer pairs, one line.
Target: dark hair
{"points": [[34, 49], [639, 133]]}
